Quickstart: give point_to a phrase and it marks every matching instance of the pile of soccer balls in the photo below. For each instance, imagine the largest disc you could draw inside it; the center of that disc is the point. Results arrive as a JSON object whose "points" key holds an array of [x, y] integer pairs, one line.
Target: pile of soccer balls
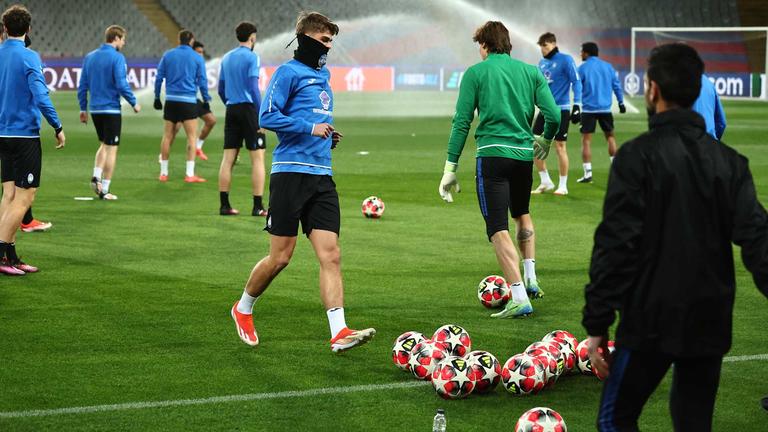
{"points": [[373, 207]]}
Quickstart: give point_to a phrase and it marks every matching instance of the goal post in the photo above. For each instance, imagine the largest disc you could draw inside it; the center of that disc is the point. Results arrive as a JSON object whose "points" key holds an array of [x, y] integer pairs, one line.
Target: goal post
{"points": [[735, 58]]}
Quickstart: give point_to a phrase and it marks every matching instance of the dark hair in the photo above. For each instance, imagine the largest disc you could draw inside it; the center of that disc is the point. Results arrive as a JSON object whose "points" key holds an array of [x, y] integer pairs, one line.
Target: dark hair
{"points": [[197, 44], [244, 30], [310, 22], [676, 68], [494, 36], [590, 48], [185, 37], [16, 20], [113, 32], [547, 38]]}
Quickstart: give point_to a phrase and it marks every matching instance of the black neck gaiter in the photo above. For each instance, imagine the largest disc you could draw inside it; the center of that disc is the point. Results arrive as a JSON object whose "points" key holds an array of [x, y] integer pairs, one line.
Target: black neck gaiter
{"points": [[552, 53], [311, 52], [27, 41]]}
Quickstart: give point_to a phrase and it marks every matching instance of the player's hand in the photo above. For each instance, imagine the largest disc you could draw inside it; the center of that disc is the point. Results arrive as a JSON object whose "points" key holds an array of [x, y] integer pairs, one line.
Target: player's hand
{"points": [[206, 106], [137, 108], [622, 108], [576, 114], [336, 136], [60, 138], [323, 130], [83, 117], [541, 147], [599, 356], [158, 105], [262, 131]]}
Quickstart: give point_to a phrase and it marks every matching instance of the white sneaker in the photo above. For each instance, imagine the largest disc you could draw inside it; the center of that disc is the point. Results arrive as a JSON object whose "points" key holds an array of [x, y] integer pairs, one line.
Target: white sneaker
{"points": [[544, 187], [107, 196], [561, 191]]}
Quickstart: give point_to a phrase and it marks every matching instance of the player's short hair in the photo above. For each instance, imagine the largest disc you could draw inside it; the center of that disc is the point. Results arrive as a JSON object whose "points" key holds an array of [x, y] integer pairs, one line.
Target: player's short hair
{"points": [[113, 32], [312, 22], [16, 20], [185, 37], [590, 48], [547, 38], [244, 30], [495, 36], [197, 44], [676, 68]]}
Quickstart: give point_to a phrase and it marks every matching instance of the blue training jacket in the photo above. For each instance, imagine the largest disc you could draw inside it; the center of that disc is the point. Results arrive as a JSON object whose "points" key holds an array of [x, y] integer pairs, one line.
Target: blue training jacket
{"points": [[239, 77], [297, 98], [184, 72], [598, 79], [23, 93], [709, 106], [104, 75], [561, 74]]}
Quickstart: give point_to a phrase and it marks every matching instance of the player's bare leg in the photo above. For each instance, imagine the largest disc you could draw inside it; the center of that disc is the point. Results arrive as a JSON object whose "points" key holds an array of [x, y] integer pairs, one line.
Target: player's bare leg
{"points": [[98, 169], [209, 121], [586, 157], [169, 134], [526, 241], [110, 159], [225, 181], [611, 138], [562, 162], [257, 179], [190, 128], [546, 184], [509, 261]]}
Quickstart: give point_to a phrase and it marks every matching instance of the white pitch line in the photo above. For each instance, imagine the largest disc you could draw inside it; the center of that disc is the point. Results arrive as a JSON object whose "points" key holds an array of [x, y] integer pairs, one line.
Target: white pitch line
{"points": [[254, 396]]}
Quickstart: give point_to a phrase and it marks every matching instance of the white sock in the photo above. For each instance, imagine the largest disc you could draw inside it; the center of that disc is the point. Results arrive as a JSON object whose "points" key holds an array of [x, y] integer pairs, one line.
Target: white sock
{"points": [[611, 159], [190, 168], [563, 182], [200, 143], [164, 167], [105, 185], [587, 169], [245, 305], [518, 292], [529, 269], [544, 176], [336, 320], [97, 172]]}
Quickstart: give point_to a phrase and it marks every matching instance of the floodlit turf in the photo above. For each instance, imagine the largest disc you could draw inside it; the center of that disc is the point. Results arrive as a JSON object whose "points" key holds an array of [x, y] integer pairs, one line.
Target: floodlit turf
{"points": [[132, 301]]}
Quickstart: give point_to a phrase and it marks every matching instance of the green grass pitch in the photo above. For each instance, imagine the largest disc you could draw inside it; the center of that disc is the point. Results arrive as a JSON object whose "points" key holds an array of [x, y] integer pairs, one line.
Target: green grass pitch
{"points": [[132, 301]]}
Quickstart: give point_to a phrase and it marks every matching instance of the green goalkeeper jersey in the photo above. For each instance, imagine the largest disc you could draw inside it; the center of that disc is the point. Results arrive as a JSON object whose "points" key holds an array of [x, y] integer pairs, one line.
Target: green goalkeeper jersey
{"points": [[504, 91]]}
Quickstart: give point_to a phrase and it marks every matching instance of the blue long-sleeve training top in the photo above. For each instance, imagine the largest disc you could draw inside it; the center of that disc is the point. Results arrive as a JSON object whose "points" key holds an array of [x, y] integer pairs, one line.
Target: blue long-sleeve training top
{"points": [[297, 98], [560, 71], [598, 80], [104, 76], [23, 93], [709, 106], [239, 77], [184, 72]]}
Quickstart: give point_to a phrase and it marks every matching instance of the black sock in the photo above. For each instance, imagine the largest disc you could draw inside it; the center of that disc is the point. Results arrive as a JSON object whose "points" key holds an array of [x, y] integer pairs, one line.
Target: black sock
{"points": [[3, 247], [257, 202], [10, 252], [27, 217], [224, 198]]}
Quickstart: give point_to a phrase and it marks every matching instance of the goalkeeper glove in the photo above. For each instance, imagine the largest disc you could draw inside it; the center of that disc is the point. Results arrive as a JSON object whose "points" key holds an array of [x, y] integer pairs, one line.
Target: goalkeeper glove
{"points": [[541, 147], [158, 104], [448, 182], [576, 114], [622, 108]]}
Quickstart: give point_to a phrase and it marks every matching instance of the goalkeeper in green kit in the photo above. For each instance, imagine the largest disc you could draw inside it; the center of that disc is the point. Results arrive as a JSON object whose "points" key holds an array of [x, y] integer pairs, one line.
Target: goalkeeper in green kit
{"points": [[504, 91]]}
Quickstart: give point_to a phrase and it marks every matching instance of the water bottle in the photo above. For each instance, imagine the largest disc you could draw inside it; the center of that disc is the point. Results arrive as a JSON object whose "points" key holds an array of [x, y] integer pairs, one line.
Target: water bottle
{"points": [[439, 423]]}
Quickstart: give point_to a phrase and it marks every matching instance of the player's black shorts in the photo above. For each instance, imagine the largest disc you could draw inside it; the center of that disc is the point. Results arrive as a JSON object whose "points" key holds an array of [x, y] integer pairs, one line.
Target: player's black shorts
{"points": [[201, 109], [175, 111], [21, 161], [294, 197], [562, 133], [108, 127], [588, 121], [242, 124], [503, 185]]}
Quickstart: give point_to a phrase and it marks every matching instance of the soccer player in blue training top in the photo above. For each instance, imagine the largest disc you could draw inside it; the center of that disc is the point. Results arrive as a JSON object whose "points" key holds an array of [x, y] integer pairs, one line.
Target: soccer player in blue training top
{"points": [[23, 96], [183, 71], [104, 75], [598, 80], [708, 106], [239, 90], [560, 71], [298, 106]]}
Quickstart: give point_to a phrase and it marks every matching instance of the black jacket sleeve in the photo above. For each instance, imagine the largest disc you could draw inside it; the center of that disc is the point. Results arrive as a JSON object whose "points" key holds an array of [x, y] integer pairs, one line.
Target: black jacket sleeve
{"points": [[750, 228], [615, 256]]}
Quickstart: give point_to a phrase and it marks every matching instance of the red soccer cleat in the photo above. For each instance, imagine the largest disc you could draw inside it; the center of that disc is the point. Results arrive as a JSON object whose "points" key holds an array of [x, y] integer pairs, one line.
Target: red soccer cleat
{"points": [[36, 225], [244, 326], [348, 339], [26, 268], [194, 179], [163, 178], [199, 152], [7, 268]]}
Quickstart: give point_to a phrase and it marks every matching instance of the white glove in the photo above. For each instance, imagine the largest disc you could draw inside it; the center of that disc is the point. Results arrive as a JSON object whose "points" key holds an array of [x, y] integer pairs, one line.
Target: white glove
{"points": [[448, 182], [541, 147]]}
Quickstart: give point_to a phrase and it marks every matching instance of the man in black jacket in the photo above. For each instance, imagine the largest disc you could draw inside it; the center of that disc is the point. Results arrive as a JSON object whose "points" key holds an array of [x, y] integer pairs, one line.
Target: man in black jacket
{"points": [[676, 200]]}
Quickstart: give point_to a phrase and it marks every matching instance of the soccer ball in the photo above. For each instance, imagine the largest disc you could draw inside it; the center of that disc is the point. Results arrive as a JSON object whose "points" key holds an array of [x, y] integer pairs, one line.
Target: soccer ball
{"points": [[523, 375], [493, 291], [541, 419], [582, 358], [485, 371], [424, 357], [373, 207], [455, 338], [404, 343], [562, 335], [552, 350], [569, 356], [451, 378]]}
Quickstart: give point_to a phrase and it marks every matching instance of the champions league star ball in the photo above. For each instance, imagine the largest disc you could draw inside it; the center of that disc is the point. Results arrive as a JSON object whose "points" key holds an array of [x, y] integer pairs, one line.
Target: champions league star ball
{"points": [[493, 292], [541, 419], [404, 343], [455, 338], [553, 352], [485, 371], [424, 358], [562, 336], [373, 207], [523, 375], [583, 363], [451, 378]]}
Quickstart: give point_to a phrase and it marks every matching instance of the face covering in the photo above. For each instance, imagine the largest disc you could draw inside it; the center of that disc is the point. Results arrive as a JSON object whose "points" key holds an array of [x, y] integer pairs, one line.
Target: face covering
{"points": [[27, 41], [311, 52]]}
